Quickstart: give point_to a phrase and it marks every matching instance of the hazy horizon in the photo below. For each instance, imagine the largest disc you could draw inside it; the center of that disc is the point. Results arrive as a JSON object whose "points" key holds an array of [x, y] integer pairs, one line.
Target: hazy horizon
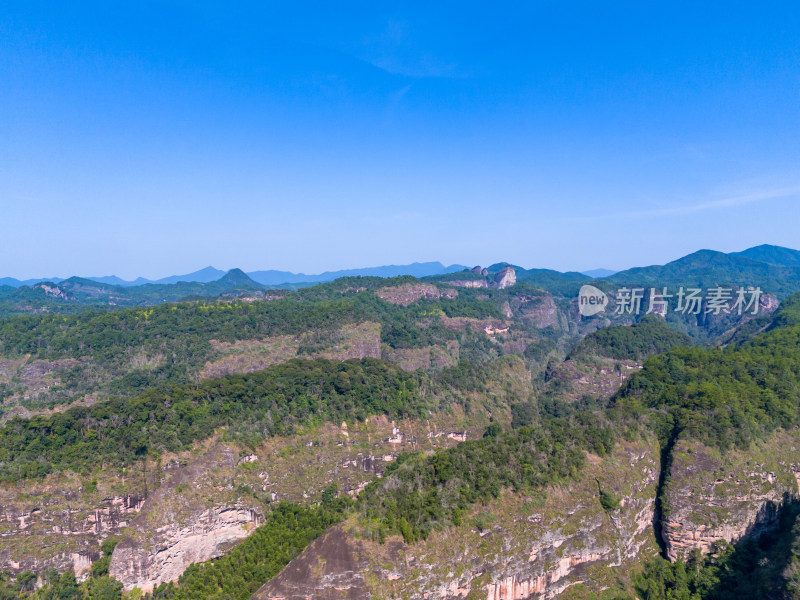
{"points": [[352, 268]]}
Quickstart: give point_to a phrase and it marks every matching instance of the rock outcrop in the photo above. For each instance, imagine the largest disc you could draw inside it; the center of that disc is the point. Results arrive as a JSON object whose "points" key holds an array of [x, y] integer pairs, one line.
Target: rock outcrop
{"points": [[411, 292], [181, 524], [505, 277], [359, 340], [469, 283], [207, 536], [538, 310], [531, 549], [710, 496], [578, 378], [427, 358], [198, 513], [331, 568], [67, 529]]}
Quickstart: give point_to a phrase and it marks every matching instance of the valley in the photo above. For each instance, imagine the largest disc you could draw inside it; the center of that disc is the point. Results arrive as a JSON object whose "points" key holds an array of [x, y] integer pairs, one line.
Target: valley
{"points": [[468, 435]]}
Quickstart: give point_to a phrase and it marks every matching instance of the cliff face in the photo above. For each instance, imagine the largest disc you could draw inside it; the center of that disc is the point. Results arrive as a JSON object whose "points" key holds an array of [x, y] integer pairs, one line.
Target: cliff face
{"points": [[524, 547], [360, 340], [199, 503], [539, 310], [505, 277], [207, 535], [331, 568], [469, 283], [59, 524], [191, 517], [411, 292], [201, 510], [595, 376], [710, 496], [528, 548]]}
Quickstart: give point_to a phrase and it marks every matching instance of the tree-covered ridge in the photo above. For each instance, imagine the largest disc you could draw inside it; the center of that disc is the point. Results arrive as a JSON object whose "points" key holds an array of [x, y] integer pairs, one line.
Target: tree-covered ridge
{"points": [[422, 492], [649, 336], [100, 334], [78, 294], [708, 268], [253, 406], [724, 396], [128, 351]]}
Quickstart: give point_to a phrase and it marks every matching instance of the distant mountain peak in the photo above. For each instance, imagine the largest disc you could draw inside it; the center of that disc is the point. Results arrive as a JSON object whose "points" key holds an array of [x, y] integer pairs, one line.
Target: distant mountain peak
{"points": [[236, 278]]}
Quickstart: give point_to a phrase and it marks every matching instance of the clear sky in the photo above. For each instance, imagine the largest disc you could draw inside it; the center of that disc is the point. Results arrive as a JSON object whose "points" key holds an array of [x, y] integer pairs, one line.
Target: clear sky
{"points": [[152, 138]]}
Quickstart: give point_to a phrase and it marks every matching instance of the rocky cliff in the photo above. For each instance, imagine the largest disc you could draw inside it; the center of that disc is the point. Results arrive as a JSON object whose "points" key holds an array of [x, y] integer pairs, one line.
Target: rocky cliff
{"points": [[520, 547], [60, 529], [514, 548], [219, 496], [207, 535], [710, 495], [505, 277], [597, 377], [411, 292], [183, 522]]}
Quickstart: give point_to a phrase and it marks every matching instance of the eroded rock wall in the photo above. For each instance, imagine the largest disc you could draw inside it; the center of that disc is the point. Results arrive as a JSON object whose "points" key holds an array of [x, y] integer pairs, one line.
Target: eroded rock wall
{"points": [[532, 549], [206, 536], [711, 496]]}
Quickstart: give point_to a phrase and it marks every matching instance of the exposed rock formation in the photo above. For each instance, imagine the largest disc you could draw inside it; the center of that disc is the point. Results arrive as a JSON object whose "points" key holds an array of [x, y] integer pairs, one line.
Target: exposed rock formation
{"points": [[532, 549], [67, 531], [181, 524], [505, 277], [539, 310], [469, 283], [198, 514], [329, 569], [477, 325], [411, 292], [54, 291], [209, 535], [709, 496], [360, 340], [426, 358], [593, 376]]}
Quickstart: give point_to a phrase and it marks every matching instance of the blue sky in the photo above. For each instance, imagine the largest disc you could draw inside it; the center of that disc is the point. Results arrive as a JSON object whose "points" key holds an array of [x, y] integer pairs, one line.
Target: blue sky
{"points": [[151, 138]]}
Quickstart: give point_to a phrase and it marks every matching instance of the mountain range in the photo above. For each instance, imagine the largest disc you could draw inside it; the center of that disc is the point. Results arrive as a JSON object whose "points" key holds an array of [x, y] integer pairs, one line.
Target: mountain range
{"points": [[267, 277], [774, 269], [757, 262], [465, 434]]}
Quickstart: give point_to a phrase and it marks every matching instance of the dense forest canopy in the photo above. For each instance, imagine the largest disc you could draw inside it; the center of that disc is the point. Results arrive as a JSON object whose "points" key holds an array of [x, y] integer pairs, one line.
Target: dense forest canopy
{"points": [[724, 396], [253, 406], [649, 336]]}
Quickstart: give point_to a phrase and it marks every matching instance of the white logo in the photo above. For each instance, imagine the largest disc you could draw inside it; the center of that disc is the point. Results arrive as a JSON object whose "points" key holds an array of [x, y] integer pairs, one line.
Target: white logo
{"points": [[591, 301]]}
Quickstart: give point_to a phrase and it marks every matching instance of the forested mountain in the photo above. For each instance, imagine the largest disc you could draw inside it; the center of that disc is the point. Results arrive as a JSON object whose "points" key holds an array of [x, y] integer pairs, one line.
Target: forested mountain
{"points": [[707, 268], [76, 294], [772, 255], [464, 434]]}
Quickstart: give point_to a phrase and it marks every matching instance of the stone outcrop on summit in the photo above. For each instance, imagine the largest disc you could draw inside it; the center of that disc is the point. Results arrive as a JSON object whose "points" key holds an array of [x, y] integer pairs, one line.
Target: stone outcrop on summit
{"points": [[505, 277]]}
